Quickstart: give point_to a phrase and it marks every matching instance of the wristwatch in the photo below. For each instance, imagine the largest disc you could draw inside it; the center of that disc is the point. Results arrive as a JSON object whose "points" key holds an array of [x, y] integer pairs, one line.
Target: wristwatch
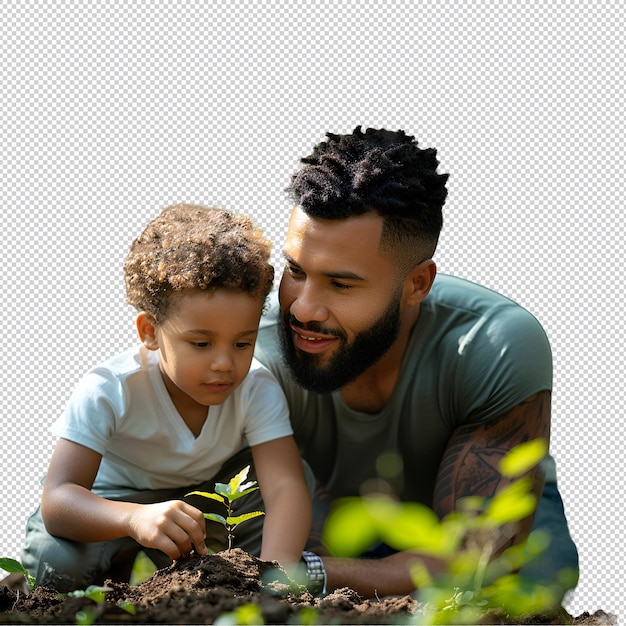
{"points": [[316, 573]]}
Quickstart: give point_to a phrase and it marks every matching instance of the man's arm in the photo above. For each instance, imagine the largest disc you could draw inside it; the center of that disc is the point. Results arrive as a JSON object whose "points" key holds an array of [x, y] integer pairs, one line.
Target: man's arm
{"points": [[469, 467]]}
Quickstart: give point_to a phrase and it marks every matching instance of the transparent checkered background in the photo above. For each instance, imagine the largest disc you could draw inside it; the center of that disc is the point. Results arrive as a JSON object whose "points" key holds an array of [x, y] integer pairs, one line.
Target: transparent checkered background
{"points": [[111, 111]]}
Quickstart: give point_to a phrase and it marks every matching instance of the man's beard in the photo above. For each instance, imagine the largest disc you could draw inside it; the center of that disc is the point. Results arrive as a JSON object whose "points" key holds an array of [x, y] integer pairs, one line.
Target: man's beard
{"points": [[350, 359]]}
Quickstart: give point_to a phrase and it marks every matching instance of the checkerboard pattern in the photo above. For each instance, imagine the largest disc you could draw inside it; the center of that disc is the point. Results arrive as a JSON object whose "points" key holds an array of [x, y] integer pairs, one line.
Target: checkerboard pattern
{"points": [[112, 111]]}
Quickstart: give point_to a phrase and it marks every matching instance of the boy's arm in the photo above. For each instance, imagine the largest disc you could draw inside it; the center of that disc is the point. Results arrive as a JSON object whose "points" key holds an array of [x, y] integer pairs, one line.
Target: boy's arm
{"points": [[286, 498], [71, 510]]}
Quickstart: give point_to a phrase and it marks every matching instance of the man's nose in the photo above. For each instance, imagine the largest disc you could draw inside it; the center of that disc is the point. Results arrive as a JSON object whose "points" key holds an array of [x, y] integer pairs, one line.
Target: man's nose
{"points": [[308, 305]]}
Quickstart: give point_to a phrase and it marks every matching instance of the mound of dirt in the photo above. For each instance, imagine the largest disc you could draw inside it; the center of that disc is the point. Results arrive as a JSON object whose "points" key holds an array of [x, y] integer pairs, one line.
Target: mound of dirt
{"points": [[199, 589]]}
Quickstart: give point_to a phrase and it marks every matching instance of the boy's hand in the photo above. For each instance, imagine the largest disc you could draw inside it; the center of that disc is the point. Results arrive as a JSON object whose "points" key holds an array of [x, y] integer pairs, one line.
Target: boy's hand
{"points": [[173, 527]]}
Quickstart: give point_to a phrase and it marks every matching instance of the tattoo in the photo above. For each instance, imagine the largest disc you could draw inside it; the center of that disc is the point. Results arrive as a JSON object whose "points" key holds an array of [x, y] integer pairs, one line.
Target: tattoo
{"points": [[470, 463]]}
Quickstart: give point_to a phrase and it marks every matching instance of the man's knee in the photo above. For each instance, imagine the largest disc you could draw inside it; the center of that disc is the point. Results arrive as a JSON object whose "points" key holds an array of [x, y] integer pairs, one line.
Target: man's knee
{"points": [[558, 563]]}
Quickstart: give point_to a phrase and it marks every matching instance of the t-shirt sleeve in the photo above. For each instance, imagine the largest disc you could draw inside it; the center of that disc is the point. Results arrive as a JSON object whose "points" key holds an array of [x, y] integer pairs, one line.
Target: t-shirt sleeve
{"points": [[267, 413], [90, 416], [503, 359]]}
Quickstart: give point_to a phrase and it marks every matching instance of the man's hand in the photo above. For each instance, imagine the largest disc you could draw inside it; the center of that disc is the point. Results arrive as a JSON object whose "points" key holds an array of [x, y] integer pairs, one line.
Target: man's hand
{"points": [[173, 527]]}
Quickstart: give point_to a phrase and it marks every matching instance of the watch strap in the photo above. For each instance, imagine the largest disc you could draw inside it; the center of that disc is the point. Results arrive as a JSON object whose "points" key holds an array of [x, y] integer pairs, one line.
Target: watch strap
{"points": [[316, 573]]}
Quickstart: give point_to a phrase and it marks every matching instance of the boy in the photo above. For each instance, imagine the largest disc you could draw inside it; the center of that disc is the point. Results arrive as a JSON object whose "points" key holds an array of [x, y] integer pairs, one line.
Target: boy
{"points": [[173, 415]]}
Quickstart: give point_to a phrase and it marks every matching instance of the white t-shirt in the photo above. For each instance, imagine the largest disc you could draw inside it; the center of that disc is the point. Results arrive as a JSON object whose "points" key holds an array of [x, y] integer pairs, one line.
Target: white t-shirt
{"points": [[122, 410]]}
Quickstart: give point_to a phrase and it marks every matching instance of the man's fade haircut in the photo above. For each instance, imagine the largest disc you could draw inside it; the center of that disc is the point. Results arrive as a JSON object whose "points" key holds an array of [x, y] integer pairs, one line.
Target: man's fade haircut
{"points": [[190, 246], [381, 171]]}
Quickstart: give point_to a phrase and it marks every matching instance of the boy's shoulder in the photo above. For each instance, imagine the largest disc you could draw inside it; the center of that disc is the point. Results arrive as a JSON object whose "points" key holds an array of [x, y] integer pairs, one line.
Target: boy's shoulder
{"points": [[124, 364]]}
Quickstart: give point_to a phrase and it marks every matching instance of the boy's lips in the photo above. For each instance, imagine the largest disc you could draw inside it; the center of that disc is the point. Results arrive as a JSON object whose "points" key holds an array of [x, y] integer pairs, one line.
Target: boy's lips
{"points": [[313, 343], [218, 386]]}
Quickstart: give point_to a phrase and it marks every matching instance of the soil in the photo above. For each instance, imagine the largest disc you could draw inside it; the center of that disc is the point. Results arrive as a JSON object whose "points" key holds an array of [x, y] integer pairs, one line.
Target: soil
{"points": [[198, 590]]}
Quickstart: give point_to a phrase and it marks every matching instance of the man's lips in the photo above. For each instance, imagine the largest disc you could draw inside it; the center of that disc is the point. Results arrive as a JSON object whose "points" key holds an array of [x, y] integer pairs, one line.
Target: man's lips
{"points": [[313, 343]]}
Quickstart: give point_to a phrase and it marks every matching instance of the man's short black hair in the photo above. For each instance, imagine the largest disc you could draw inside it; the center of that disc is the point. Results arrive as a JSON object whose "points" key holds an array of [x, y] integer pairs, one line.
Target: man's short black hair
{"points": [[382, 171]]}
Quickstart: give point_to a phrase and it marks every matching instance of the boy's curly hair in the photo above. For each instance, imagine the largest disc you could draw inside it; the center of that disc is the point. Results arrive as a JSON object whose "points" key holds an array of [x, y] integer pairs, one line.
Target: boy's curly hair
{"points": [[189, 247], [381, 171]]}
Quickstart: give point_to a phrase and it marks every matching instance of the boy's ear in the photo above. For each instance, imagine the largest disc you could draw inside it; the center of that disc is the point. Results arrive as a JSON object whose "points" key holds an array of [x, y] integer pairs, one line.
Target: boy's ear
{"points": [[146, 328], [419, 281]]}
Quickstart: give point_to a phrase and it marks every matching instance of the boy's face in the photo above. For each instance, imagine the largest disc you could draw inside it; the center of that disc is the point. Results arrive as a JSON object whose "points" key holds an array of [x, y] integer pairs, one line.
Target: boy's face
{"points": [[206, 345]]}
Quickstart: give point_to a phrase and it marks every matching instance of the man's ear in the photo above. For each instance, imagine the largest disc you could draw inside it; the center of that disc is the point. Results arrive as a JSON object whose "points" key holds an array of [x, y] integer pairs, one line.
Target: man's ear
{"points": [[419, 281], [146, 328]]}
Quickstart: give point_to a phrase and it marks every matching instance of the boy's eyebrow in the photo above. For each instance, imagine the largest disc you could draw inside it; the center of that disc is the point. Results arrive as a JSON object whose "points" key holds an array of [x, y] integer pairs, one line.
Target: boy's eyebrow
{"points": [[345, 275], [210, 333]]}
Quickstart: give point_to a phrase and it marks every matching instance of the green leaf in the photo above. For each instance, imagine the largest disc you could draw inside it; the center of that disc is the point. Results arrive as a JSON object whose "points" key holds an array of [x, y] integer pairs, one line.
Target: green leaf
{"points": [[12, 566], [127, 606], [512, 503], [206, 494], [417, 527], [93, 592], [357, 523], [523, 458], [85, 618], [236, 520], [245, 492], [15, 567], [214, 517], [349, 529], [236, 481]]}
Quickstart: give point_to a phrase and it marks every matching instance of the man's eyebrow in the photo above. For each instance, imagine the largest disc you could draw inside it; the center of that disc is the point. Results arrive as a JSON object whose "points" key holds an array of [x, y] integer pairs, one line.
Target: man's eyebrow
{"points": [[342, 275]]}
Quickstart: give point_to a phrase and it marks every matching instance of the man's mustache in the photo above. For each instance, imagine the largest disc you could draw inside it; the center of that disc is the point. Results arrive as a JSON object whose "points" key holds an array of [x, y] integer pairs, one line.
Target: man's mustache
{"points": [[312, 327]]}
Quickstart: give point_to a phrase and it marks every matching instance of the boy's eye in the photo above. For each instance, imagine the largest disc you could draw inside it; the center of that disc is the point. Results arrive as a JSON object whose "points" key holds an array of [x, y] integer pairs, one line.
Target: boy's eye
{"points": [[200, 344], [243, 344]]}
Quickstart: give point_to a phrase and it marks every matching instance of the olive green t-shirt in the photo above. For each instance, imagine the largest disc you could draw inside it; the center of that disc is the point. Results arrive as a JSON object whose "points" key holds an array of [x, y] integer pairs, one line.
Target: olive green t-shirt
{"points": [[472, 355]]}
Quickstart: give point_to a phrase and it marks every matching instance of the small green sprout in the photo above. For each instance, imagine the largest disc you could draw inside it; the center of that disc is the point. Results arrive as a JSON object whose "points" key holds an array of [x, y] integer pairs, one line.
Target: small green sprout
{"points": [[227, 494], [93, 592], [15, 567], [243, 615], [97, 594]]}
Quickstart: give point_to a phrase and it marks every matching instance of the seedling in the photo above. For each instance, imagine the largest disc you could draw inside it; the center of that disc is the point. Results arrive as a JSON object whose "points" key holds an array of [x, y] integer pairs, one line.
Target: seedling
{"points": [[98, 594], [479, 576], [15, 567], [93, 592], [227, 494]]}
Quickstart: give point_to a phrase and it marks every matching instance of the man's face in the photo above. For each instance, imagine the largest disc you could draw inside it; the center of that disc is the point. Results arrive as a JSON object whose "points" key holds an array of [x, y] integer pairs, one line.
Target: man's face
{"points": [[340, 299]]}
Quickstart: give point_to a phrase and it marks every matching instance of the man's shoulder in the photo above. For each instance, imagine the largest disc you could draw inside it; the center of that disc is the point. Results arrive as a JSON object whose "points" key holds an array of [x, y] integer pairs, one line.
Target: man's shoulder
{"points": [[453, 291], [458, 306]]}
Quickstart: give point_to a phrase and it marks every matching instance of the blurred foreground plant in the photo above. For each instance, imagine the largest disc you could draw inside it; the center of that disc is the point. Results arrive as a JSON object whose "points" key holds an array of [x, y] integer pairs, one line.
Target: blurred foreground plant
{"points": [[479, 576]]}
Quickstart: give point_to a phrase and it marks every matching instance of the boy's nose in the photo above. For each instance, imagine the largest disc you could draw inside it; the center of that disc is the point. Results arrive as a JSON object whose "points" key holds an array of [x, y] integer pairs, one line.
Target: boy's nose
{"points": [[222, 362]]}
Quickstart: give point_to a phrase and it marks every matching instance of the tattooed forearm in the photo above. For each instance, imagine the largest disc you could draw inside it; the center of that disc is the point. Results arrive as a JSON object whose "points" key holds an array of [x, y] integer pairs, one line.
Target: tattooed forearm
{"points": [[470, 463]]}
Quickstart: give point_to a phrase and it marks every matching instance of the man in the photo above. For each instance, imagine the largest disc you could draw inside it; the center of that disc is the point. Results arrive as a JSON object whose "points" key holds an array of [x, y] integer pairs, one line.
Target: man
{"points": [[385, 359]]}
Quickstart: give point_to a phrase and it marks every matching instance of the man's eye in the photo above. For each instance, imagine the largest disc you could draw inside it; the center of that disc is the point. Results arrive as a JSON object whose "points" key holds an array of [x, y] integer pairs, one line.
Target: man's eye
{"points": [[294, 271], [340, 285]]}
